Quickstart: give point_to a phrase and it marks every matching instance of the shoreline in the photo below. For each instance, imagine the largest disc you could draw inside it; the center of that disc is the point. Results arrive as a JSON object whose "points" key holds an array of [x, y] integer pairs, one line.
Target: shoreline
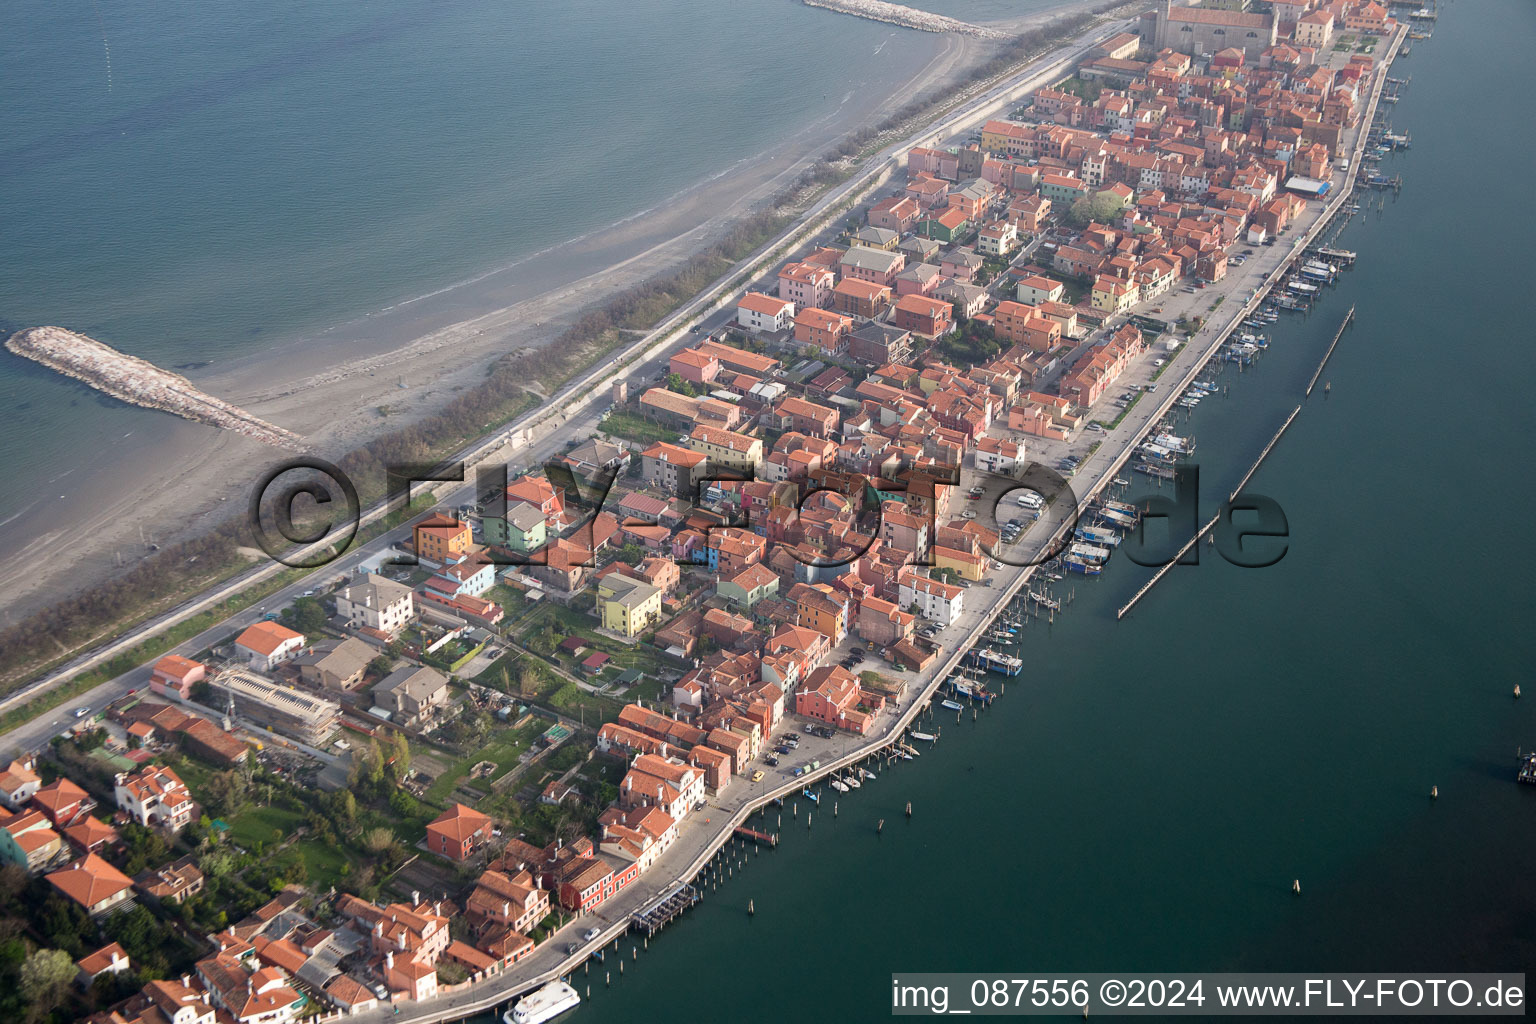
{"points": [[341, 385], [895, 731]]}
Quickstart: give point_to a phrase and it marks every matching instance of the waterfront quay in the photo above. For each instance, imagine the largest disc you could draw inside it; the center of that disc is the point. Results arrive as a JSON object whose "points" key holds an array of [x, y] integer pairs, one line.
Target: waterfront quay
{"points": [[706, 833]]}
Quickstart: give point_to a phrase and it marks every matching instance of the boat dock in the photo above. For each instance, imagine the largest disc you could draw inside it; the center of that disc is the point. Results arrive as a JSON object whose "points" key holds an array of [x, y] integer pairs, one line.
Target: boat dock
{"points": [[668, 906], [756, 836], [1348, 319]]}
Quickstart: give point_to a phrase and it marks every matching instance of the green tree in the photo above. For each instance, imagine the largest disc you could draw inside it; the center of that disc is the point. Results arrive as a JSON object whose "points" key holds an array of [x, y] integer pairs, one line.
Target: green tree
{"points": [[1100, 207], [381, 665], [306, 615], [681, 386], [399, 754], [45, 979]]}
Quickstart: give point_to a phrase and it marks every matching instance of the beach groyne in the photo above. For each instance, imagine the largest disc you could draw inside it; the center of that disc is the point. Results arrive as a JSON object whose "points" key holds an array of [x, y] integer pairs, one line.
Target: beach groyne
{"points": [[141, 383], [906, 17]]}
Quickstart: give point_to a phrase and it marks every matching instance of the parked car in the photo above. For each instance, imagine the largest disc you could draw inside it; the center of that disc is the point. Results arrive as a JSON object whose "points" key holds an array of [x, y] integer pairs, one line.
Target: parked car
{"points": [[590, 934], [757, 776]]}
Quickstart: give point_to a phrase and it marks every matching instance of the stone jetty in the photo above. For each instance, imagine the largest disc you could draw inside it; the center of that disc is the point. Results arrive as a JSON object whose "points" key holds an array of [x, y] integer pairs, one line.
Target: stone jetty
{"points": [[141, 383], [906, 17]]}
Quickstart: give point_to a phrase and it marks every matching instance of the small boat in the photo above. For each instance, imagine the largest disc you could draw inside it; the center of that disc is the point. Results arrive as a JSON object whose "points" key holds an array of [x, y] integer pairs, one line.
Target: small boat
{"points": [[905, 755], [951, 705], [543, 1004], [1121, 481], [867, 773], [926, 737], [852, 782], [840, 787], [812, 797]]}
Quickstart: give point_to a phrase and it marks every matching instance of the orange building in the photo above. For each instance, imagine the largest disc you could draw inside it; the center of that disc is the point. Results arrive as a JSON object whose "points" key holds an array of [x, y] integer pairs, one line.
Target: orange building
{"points": [[458, 832], [821, 608], [824, 329], [442, 539]]}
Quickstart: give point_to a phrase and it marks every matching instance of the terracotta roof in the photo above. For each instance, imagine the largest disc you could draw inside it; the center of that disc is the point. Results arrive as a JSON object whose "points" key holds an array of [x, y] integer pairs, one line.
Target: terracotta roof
{"points": [[58, 796], [100, 960], [266, 637], [459, 822], [90, 880]]}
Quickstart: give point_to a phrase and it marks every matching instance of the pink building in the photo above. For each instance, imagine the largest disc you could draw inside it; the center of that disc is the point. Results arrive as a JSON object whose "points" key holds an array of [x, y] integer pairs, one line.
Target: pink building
{"points": [[807, 285], [697, 367]]}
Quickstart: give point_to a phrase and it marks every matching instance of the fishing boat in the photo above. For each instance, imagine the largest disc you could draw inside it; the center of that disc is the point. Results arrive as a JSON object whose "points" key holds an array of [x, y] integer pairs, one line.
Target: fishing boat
{"points": [[1175, 443], [996, 661], [951, 705], [1086, 568], [1153, 470], [1001, 636], [926, 737], [1095, 535], [1046, 602], [1090, 552]]}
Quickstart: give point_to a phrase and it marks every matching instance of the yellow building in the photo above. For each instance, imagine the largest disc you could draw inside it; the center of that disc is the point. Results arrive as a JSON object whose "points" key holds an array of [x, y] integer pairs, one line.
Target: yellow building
{"points": [[1114, 294], [726, 449], [628, 606], [969, 566]]}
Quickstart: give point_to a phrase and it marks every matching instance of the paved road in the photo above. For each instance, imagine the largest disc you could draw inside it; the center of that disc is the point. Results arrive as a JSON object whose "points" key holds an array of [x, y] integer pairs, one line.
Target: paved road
{"points": [[559, 420]]}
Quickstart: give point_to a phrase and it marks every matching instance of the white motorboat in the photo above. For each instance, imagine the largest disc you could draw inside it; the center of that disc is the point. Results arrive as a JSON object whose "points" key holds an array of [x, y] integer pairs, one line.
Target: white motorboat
{"points": [[544, 1004]]}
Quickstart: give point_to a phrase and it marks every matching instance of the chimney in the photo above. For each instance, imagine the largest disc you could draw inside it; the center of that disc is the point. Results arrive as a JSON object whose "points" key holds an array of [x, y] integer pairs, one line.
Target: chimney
{"points": [[389, 960], [415, 897], [186, 981]]}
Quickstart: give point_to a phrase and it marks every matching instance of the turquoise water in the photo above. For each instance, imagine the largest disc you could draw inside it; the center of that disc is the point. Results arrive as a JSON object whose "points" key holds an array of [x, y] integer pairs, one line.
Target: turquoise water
{"points": [[1142, 800]]}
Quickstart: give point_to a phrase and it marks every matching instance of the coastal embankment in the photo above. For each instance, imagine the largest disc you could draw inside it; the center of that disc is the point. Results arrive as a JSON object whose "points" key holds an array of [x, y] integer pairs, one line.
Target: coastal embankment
{"points": [[906, 17], [141, 383]]}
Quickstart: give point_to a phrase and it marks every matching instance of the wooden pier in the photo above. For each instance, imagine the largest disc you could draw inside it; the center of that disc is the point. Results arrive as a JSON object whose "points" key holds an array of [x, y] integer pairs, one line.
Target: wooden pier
{"points": [[755, 835], [668, 906], [1348, 319]]}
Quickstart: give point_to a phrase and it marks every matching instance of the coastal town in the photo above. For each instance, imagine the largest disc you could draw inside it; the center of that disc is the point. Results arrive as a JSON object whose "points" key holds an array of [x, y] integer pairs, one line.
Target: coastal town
{"points": [[455, 771]]}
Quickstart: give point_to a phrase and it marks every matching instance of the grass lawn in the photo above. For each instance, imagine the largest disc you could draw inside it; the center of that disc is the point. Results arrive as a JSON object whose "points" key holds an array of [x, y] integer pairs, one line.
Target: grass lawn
{"points": [[322, 863], [503, 748], [633, 427], [568, 622], [265, 825]]}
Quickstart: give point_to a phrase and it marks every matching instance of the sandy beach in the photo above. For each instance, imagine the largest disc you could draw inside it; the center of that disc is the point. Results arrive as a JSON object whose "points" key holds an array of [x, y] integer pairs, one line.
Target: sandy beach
{"points": [[382, 371]]}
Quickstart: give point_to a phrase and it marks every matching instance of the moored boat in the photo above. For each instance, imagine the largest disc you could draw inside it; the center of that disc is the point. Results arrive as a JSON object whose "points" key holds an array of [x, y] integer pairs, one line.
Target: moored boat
{"points": [[543, 1004]]}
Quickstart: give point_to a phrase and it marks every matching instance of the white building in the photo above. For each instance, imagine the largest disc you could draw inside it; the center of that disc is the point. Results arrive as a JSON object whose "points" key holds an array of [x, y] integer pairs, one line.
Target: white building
{"points": [[764, 313], [155, 796], [266, 645], [376, 603], [935, 599]]}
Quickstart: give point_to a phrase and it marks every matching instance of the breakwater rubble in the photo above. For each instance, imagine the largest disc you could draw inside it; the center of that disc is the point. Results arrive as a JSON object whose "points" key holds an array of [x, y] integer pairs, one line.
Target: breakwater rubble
{"points": [[141, 383], [906, 17]]}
